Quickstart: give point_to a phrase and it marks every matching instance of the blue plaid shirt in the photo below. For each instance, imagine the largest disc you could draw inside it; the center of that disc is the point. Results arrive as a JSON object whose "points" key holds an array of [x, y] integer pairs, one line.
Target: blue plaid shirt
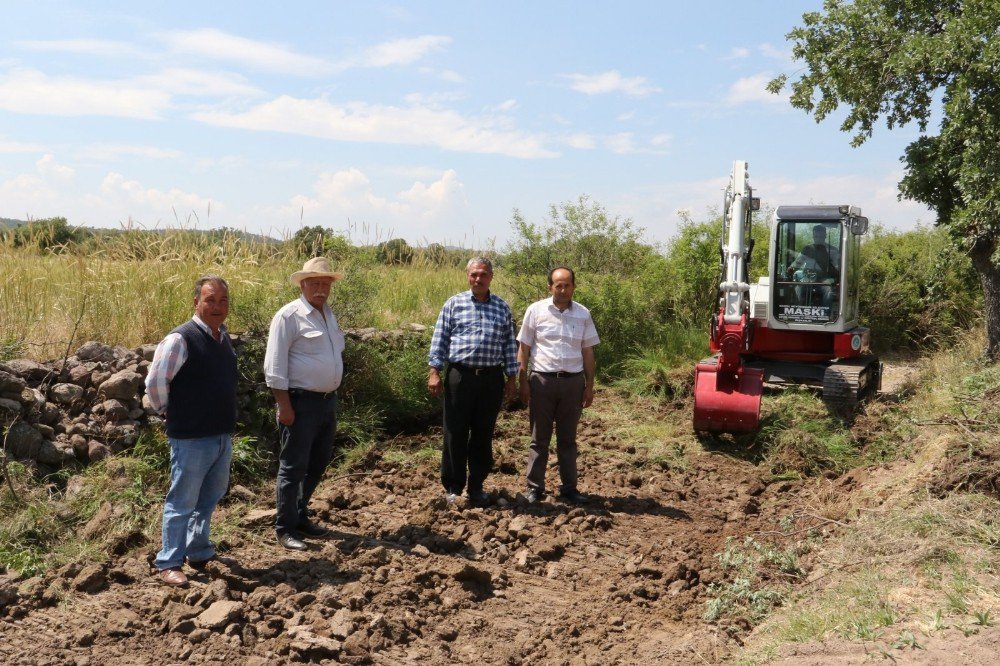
{"points": [[474, 333]]}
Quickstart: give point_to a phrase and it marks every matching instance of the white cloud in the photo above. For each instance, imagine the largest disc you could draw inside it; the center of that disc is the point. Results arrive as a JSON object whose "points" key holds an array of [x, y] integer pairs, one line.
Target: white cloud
{"points": [[769, 51], [183, 81], [661, 140], [349, 195], [111, 151], [130, 198], [451, 76], [737, 53], [97, 47], [267, 56], [753, 89], [10, 147], [402, 51], [610, 82], [625, 117], [31, 91], [36, 195], [581, 141], [358, 121], [506, 105], [52, 171], [622, 143]]}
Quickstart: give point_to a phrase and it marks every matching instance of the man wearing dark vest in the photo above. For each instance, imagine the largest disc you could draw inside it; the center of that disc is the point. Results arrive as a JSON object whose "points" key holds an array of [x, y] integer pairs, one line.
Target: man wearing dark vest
{"points": [[192, 381]]}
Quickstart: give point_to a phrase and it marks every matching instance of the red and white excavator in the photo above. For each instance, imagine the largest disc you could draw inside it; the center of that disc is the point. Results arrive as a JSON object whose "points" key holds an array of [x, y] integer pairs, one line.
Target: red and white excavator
{"points": [[798, 325]]}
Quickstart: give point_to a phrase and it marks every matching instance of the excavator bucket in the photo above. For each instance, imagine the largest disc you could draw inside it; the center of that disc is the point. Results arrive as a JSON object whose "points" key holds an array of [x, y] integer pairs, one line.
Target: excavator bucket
{"points": [[726, 401]]}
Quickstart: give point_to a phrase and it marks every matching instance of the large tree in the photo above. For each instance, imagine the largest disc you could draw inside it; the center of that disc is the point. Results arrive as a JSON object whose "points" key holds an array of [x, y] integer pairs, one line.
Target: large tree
{"points": [[902, 61]]}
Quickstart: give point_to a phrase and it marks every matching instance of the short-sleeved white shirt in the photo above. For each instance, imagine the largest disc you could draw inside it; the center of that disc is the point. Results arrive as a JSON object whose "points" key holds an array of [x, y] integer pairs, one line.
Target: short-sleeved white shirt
{"points": [[557, 339]]}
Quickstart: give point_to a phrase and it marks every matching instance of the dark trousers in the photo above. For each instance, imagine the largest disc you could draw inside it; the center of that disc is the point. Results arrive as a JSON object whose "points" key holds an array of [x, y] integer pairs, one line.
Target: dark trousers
{"points": [[558, 400], [471, 405], [306, 450]]}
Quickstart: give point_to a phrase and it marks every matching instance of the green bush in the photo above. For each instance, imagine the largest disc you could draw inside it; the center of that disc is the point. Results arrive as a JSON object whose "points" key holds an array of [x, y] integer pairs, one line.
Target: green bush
{"points": [[917, 289], [394, 252]]}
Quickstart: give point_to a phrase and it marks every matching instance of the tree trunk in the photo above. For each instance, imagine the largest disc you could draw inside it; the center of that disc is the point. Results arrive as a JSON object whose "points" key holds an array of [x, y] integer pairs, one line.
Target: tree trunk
{"points": [[989, 275]]}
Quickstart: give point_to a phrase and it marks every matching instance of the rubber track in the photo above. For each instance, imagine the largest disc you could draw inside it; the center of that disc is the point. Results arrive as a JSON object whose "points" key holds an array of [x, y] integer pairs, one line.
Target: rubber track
{"points": [[848, 382]]}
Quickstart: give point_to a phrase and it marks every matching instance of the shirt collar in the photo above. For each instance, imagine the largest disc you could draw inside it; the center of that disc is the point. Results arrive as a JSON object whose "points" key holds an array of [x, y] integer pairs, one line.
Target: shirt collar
{"points": [[472, 297], [305, 307], [203, 326], [552, 304]]}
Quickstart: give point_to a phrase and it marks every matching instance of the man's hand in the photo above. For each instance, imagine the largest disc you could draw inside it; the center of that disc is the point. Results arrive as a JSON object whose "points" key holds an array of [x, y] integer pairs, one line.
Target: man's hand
{"points": [[525, 391], [434, 383], [588, 395], [510, 388], [286, 415]]}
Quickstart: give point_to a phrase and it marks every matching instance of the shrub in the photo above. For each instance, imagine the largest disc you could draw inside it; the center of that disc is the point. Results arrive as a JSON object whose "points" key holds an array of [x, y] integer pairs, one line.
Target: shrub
{"points": [[394, 251]]}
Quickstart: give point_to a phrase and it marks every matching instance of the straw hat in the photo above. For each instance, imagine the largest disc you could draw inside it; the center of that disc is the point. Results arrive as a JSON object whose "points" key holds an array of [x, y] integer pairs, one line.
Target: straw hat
{"points": [[315, 267]]}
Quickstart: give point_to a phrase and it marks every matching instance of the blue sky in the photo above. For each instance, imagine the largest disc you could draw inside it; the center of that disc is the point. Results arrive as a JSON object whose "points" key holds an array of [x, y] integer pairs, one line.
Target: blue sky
{"points": [[430, 121]]}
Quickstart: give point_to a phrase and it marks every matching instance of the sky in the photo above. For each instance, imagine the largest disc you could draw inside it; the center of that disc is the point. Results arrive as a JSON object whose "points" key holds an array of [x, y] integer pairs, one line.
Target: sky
{"points": [[430, 121]]}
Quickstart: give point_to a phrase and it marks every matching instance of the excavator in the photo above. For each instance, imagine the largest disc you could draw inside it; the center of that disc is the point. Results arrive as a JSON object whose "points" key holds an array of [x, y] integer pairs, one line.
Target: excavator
{"points": [[796, 325]]}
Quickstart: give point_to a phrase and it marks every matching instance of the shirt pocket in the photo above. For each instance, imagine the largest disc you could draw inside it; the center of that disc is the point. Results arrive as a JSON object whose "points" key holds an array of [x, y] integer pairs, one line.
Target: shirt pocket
{"points": [[313, 340]]}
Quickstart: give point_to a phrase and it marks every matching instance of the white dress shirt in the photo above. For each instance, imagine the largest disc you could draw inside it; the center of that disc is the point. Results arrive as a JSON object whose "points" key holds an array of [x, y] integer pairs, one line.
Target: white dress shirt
{"points": [[557, 338], [304, 349]]}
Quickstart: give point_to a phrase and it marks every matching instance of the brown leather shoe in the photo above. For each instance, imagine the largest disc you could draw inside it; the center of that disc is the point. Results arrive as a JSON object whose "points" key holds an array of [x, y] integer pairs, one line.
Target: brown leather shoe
{"points": [[174, 577]]}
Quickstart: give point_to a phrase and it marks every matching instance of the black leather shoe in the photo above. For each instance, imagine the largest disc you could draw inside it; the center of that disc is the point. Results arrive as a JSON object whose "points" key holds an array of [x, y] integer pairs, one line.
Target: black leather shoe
{"points": [[478, 497], [534, 495], [573, 496], [289, 542], [311, 529]]}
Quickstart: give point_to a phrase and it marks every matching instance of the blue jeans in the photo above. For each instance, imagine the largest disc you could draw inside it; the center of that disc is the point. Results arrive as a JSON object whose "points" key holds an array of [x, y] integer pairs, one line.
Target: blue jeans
{"points": [[306, 450], [199, 477]]}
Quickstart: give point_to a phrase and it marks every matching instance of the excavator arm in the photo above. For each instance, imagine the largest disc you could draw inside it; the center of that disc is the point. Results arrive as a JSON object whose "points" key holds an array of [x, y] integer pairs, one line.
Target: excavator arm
{"points": [[726, 391]]}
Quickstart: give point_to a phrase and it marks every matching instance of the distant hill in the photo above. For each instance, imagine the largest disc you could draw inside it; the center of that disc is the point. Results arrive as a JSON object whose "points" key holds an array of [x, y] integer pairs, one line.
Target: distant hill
{"points": [[7, 223]]}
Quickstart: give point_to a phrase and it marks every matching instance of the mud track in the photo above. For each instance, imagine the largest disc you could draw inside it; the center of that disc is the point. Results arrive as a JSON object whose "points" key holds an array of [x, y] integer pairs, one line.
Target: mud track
{"points": [[407, 578]]}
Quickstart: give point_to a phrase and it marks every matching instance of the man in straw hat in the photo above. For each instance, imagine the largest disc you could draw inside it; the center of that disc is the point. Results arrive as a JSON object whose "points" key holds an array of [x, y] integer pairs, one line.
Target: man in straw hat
{"points": [[303, 368]]}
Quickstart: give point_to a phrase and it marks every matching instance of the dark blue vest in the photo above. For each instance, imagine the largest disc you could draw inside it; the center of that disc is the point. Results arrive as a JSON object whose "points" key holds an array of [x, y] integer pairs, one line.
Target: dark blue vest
{"points": [[202, 398]]}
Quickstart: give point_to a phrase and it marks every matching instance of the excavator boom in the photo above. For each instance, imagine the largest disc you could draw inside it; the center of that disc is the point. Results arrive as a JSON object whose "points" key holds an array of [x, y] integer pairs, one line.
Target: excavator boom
{"points": [[726, 391]]}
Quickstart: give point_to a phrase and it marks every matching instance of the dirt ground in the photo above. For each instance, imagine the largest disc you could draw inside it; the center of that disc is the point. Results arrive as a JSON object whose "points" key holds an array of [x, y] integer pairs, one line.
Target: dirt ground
{"points": [[406, 578]]}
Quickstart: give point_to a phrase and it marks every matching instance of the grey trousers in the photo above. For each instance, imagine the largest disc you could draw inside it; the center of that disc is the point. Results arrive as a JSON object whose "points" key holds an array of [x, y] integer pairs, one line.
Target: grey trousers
{"points": [[556, 400]]}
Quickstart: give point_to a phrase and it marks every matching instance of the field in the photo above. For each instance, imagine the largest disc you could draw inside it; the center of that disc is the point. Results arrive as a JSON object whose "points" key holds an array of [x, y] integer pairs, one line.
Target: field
{"points": [[817, 540]]}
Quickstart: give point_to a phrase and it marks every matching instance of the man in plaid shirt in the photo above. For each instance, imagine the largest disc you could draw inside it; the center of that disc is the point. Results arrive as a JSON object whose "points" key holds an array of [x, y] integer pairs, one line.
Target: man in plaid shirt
{"points": [[474, 336]]}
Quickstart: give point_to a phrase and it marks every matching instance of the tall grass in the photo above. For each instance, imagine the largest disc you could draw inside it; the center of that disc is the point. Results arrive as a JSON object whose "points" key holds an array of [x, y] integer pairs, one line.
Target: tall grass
{"points": [[132, 289]]}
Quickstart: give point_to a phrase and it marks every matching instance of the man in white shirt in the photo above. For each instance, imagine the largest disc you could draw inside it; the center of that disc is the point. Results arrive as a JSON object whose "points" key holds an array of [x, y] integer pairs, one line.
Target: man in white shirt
{"points": [[303, 368], [558, 337]]}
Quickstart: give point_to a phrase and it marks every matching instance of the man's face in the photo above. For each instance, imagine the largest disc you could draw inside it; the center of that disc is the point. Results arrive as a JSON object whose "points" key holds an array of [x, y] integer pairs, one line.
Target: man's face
{"points": [[819, 235], [316, 290], [212, 304], [562, 288], [479, 279]]}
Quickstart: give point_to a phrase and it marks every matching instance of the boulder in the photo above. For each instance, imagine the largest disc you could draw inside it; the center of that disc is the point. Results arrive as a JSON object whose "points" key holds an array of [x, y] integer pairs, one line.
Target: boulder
{"points": [[50, 454], [124, 385], [114, 410], [80, 375], [11, 383], [66, 394], [10, 406], [97, 451], [26, 368], [23, 441], [95, 351], [220, 614]]}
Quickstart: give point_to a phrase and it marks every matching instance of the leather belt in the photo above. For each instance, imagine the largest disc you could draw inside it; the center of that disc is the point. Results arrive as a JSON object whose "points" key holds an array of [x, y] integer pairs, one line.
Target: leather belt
{"points": [[303, 393], [461, 367], [559, 373]]}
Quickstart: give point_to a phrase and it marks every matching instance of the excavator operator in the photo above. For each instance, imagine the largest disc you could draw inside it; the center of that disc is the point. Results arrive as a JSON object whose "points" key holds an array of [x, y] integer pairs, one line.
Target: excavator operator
{"points": [[816, 263]]}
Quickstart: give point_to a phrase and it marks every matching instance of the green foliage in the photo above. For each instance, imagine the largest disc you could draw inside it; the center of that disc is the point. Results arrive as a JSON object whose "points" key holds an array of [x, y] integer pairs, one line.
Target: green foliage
{"points": [[316, 241], [916, 289], [388, 377], [664, 369], [394, 251], [580, 235], [693, 266], [51, 234], [756, 570]]}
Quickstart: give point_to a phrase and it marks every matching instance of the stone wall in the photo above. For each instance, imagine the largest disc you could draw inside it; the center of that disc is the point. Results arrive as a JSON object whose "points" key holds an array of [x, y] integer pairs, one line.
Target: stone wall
{"points": [[95, 404]]}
